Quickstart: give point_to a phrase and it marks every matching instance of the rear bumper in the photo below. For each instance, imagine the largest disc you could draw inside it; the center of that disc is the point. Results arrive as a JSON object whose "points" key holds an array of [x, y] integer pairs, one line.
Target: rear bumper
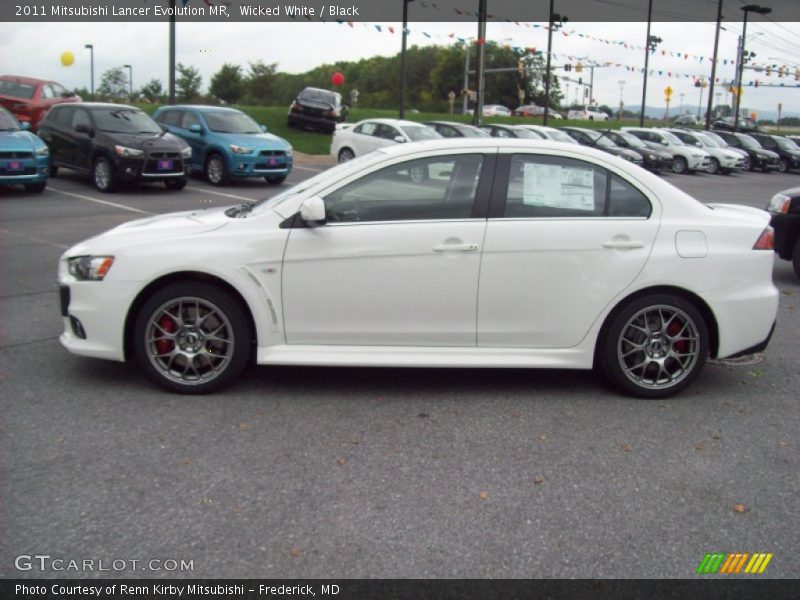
{"points": [[758, 347], [323, 123]]}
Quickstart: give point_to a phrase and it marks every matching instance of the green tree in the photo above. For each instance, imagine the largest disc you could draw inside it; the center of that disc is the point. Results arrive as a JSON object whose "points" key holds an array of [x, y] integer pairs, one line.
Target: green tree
{"points": [[113, 85], [188, 82], [260, 83], [152, 91], [227, 84]]}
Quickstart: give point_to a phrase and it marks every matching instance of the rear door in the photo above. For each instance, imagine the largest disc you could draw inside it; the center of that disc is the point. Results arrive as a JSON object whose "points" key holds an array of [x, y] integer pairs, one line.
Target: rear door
{"points": [[80, 144], [564, 238]]}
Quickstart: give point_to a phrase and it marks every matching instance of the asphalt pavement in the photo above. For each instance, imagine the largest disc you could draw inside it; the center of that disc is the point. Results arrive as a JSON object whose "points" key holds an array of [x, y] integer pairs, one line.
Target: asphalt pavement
{"points": [[322, 472]]}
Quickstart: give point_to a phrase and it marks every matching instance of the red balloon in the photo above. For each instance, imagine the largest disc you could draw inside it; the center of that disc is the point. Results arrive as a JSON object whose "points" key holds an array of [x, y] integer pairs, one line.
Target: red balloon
{"points": [[337, 78]]}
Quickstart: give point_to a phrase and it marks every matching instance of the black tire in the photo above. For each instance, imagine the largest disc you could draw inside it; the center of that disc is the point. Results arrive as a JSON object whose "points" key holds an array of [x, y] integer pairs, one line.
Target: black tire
{"points": [[103, 175], [796, 258], [591, 118], [53, 170], [713, 166], [176, 184], [751, 166], [766, 169], [679, 165], [621, 339], [189, 340], [783, 166], [35, 188], [275, 179], [216, 170], [346, 154]]}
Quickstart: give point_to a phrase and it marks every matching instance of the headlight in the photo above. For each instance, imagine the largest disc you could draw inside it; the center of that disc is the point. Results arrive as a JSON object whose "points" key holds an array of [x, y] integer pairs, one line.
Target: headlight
{"points": [[42, 151], [187, 152], [779, 203], [651, 157], [127, 152], [288, 151], [90, 268], [240, 149]]}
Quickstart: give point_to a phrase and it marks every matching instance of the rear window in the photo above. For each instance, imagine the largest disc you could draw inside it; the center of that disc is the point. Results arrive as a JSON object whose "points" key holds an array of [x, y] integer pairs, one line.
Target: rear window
{"points": [[59, 116], [321, 96], [17, 89]]}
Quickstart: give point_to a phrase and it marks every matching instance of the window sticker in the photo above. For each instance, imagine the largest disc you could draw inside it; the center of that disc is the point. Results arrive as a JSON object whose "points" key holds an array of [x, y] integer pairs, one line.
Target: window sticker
{"points": [[556, 186]]}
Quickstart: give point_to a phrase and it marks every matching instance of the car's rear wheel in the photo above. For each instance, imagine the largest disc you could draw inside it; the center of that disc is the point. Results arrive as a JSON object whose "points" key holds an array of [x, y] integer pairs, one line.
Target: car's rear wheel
{"points": [[176, 184], [346, 154], [655, 346], [275, 179], [796, 258], [216, 170], [783, 165], [53, 171], [35, 188], [679, 165], [713, 166], [103, 175], [192, 337]]}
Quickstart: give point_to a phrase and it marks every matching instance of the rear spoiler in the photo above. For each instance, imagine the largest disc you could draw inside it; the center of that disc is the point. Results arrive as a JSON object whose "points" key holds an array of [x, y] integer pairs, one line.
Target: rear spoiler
{"points": [[340, 126]]}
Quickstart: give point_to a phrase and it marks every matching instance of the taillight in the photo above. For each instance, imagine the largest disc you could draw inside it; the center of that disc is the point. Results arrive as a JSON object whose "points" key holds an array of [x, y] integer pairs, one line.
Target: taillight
{"points": [[766, 241]]}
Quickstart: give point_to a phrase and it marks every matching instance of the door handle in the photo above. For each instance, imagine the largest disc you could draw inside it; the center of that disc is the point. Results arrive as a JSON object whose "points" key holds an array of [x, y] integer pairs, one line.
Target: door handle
{"points": [[620, 245], [455, 248]]}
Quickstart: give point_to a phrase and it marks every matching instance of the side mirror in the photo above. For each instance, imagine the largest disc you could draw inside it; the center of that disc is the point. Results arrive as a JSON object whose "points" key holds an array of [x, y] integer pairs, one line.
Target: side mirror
{"points": [[84, 128], [195, 128], [312, 211], [399, 139], [264, 128], [25, 126], [68, 94]]}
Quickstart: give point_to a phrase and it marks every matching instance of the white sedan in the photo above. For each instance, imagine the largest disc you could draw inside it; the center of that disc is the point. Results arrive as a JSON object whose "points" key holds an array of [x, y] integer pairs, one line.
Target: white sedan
{"points": [[507, 253], [363, 137]]}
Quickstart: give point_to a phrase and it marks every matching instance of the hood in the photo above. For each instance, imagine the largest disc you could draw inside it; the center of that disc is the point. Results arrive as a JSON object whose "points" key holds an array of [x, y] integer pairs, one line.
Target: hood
{"points": [[166, 228], [257, 141], [146, 141], [19, 140], [768, 153]]}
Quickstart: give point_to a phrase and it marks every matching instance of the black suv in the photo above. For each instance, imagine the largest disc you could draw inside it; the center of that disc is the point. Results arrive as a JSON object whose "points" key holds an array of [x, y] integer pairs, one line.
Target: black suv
{"points": [[112, 143], [759, 158], [319, 109], [787, 151], [784, 209], [654, 160], [744, 124]]}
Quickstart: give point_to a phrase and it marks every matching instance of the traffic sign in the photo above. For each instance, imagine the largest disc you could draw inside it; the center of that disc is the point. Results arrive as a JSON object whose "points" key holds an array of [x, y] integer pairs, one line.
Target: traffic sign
{"points": [[667, 91]]}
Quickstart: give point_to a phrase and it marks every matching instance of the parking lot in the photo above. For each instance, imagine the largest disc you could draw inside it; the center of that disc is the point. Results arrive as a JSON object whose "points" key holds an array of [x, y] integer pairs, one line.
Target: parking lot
{"points": [[322, 472]]}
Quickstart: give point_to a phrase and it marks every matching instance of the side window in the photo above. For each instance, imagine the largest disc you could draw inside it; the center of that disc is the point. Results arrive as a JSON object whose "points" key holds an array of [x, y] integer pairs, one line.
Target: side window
{"points": [[366, 129], [624, 200], [440, 187], [81, 117], [446, 131], [60, 116], [189, 119], [58, 90], [553, 186], [500, 133], [47, 92], [169, 117], [386, 132], [768, 143]]}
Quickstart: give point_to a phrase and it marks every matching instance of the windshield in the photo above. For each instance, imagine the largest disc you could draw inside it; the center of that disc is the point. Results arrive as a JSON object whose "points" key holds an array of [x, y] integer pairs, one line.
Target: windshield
{"points": [[418, 134], [600, 139], [230, 122], [7, 122], [713, 136], [16, 89], [124, 120], [468, 131], [524, 133], [748, 142], [340, 170], [559, 136], [786, 144], [634, 141], [673, 139], [708, 141]]}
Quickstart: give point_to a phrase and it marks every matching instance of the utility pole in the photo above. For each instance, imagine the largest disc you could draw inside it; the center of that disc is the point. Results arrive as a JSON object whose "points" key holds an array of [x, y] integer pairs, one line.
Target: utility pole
{"points": [[172, 52], [553, 17], [403, 60], [465, 99], [714, 67], [646, 61], [478, 116]]}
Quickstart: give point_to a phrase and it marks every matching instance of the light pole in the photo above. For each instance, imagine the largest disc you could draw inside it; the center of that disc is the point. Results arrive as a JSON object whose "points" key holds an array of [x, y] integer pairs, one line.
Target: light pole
{"points": [[650, 46], [91, 68], [555, 22], [130, 81], [621, 86], [714, 65], [172, 52], [480, 62], [403, 60], [701, 83], [760, 10]]}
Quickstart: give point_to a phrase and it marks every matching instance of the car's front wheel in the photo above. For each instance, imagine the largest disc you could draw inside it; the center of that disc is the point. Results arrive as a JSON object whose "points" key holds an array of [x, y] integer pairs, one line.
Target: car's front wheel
{"points": [[192, 337], [796, 258], [783, 166], [713, 166], [216, 170], [103, 175], [679, 165], [655, 346]]}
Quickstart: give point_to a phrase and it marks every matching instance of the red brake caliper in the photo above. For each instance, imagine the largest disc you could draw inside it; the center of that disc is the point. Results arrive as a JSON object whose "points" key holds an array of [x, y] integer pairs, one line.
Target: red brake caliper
{"points": [[680, 346], [165, 346]]}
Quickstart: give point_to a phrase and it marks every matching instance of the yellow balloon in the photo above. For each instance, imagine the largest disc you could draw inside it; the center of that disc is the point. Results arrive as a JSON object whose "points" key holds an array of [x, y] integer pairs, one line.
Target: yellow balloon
{"points": [[67, 58]]}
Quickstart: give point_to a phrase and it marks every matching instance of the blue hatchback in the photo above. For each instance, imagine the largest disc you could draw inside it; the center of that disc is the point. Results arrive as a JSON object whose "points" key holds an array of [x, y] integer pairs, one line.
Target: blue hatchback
{"points": [[24, 157], [226, 143]]}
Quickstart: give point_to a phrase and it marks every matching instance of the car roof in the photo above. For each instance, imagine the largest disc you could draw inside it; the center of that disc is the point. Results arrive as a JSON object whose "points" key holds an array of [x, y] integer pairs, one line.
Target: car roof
{"points": [[397, 122], [28, 80], [200, 107], [488, 143], [91, 105]]}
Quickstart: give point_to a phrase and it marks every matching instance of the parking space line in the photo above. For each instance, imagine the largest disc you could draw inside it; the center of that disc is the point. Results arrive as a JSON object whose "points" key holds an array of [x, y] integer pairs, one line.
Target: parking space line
{"points": [[234, 196], [99, 201], [308, 169], [34, 239]]}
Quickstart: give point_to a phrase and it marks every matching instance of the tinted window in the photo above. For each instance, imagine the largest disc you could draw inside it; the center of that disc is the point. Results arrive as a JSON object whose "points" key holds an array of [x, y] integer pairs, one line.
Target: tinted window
{"points": [[60, 116], [169, 117], [447, 131], [189, 119], [124, 120], [624, 200], [387, 132], [441, 187], [47, 92], [81, 117]]}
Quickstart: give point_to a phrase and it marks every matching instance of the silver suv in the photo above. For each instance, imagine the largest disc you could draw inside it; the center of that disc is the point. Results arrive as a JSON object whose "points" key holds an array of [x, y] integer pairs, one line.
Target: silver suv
{"points": [[685, 159]]}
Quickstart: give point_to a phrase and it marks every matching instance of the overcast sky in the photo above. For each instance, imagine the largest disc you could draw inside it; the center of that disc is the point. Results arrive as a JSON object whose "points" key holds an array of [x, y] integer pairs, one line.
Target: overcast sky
{"points": [[34, 49]]}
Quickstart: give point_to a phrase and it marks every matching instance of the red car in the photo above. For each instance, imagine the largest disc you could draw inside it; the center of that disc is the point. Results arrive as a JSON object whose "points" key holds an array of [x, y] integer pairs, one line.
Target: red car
{"points": [[29, 99]]}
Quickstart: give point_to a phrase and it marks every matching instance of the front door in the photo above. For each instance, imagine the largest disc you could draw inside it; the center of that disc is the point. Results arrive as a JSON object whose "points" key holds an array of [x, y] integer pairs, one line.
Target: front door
{"points": [[397, 262]]}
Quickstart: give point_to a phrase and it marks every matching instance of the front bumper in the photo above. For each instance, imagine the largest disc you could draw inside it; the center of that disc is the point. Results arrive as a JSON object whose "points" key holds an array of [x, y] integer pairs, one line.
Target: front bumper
{"points": [[764, 163], [263, 163], [151, 167], [698, 164], [27, 168]]}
